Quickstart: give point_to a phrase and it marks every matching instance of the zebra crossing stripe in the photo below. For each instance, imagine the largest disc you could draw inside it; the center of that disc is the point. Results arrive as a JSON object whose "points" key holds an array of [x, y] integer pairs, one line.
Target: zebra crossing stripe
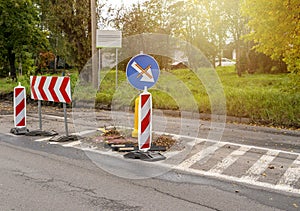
{"points": [[292, 174], [200, 155], [229, 160], [286, 183], [241, 180], [260, 166]]}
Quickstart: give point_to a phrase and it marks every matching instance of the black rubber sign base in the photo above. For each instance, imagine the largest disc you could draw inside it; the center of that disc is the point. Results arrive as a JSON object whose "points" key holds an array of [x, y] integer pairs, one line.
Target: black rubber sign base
{"points": [[41, 133], [19, 131], [145, 156], [64, 138]]}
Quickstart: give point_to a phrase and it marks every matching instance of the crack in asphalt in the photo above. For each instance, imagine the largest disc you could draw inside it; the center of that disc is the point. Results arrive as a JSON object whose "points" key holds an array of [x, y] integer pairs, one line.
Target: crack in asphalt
{"points": [[90, 193], [180, 198], [173, 196]]}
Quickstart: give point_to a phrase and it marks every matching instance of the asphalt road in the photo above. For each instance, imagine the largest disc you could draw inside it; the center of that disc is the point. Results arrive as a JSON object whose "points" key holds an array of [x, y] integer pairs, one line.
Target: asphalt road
{"points": [[229, 174], [41, 176]]}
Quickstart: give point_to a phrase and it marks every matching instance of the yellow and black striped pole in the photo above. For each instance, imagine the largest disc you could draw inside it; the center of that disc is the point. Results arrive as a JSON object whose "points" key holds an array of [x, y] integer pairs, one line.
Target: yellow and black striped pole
{"points": [[136, 118]]}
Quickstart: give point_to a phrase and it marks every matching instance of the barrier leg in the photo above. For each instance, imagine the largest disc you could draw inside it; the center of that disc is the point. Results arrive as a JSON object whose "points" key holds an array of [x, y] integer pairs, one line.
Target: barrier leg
{"points": [[66, 121], [40, 114]]}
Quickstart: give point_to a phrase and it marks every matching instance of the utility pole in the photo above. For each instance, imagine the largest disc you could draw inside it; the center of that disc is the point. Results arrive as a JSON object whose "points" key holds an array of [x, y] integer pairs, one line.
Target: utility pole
{"points": [[94, 49]]}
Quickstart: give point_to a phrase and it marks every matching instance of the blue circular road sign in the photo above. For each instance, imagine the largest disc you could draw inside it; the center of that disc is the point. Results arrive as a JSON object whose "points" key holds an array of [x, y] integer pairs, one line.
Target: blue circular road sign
{"points": [[142, 71]]}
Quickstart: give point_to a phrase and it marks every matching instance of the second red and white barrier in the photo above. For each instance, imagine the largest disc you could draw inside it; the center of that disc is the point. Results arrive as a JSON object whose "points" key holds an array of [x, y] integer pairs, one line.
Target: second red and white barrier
{"points": [[145, 121], [19, 106]]}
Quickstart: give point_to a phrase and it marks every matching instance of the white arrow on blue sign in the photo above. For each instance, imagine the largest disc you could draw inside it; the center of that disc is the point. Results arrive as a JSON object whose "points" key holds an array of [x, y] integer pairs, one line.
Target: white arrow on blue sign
{"points": [[142, 71]]}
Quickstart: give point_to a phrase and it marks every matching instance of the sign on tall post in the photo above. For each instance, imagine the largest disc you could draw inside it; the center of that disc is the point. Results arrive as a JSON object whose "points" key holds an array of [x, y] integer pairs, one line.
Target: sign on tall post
{"points": [[109, 39], [142, 73]]}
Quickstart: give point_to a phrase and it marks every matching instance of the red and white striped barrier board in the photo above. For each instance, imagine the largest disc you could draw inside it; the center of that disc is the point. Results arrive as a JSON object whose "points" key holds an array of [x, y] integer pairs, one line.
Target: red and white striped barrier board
{"points": [[20, 106], [50, 88], [145, 121]]}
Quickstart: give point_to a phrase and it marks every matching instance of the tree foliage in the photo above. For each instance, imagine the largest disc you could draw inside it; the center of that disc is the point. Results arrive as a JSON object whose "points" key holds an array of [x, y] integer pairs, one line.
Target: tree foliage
{"points": [[272, 26], [189, 21], [141, 18], [19, 31], [69, 23], [206, 24], [275, 29]]}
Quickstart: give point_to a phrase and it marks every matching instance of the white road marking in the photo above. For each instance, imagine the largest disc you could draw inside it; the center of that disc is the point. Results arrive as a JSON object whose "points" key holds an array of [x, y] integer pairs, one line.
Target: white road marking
{"points": [[290, 177], [54, 117], [10, 134], [91, 149], [84, 132], [229, 160], [229, 143], [284, 188], [292, 174], [260, 166], [72, 144], [200, 155], [47, 115], [54, 143], [43, 139]]}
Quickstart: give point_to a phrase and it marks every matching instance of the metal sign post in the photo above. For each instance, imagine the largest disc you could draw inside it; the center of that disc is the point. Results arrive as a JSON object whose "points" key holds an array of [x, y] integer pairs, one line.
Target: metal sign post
{"points": [[99, 66], [142, 72], [66, 120], [40, 114], [116, 68]]}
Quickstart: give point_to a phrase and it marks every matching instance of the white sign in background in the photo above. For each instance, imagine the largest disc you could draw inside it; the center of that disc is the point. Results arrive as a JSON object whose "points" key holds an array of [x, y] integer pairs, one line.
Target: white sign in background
{"points": [[108, 39]]}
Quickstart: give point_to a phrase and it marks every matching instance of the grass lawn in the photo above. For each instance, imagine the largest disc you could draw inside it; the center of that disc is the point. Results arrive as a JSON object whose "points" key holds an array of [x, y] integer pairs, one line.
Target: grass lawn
{"points": [[7, 85], [264, 98]]}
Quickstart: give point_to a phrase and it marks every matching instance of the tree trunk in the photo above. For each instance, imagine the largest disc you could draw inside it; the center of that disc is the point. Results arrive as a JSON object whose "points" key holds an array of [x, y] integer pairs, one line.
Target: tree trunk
{"points": [[55, 64], [238, 59], [12, 59]]}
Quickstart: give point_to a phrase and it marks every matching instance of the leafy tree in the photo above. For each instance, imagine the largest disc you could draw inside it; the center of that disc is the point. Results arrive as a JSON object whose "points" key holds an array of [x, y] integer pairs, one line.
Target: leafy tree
{"points": [[71, 20], [69, 25], [19, 30], [275, 29], [141, 18], [148, 17]]}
